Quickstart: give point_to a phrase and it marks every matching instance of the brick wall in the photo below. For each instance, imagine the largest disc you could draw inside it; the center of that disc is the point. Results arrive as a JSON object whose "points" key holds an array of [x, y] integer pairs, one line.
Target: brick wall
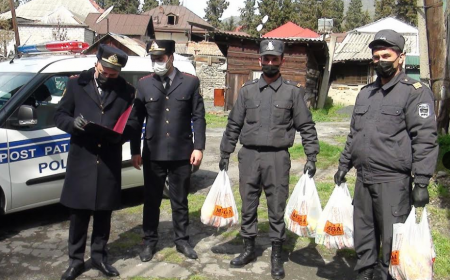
{"points": [[211, 77]]}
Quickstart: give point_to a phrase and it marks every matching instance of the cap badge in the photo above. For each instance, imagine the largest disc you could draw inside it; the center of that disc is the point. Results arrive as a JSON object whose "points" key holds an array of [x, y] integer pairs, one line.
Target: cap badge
{"points": [[155, 47], [382, 38], [113, 60], [270, 46]]}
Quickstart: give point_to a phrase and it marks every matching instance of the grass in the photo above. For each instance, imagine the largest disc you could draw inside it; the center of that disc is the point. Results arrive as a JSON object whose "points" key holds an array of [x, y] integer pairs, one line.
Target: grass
{"points": [[193, 277], [444, 146], [328, 156], [126, 241], [215, 121], [170, 255], [329, 113]]}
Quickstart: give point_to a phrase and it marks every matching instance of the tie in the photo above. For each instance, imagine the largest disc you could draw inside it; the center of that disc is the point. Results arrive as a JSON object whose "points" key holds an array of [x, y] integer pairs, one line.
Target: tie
{"points": [[167, 81]]}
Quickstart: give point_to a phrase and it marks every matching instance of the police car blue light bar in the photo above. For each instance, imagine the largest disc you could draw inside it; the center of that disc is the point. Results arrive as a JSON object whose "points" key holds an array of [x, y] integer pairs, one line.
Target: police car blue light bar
{"points": [[64, 46]]}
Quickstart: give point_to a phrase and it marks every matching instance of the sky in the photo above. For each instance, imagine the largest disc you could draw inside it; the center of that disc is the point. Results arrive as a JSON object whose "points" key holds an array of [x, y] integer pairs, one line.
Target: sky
{"points": [[199, 6]]}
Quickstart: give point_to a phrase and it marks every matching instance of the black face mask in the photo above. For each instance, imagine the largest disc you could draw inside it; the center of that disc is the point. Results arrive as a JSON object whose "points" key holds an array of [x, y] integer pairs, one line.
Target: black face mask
{"points": [[104, 82], [385, 69], [271, 70]]}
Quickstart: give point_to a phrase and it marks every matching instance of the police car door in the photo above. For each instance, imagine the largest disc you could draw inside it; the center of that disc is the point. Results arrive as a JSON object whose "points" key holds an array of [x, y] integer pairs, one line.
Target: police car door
{"points": [[38, 153]]}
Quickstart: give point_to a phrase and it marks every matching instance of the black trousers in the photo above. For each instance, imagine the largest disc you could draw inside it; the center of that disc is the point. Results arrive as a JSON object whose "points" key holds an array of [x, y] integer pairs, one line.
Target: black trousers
{"points": [[155, 173], [79, 222], [268, 170], [377, 207]]}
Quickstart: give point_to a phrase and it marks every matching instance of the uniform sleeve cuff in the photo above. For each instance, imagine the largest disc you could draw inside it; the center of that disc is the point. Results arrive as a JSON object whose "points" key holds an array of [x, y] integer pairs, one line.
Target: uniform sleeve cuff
{"points": [[419, 179], [224, 155], [343, 168], [312, 157]]}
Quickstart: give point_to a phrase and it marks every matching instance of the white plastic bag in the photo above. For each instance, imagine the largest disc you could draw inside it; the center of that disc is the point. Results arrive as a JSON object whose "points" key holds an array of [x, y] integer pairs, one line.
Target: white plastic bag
{"points": [[303, 209], [335, 226], [413, 252], [219, 208]]}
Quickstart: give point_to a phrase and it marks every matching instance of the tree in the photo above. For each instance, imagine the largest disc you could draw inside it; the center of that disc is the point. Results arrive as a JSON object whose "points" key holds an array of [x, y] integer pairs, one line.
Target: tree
{"points": [[309, 13], [248, 17], [334, 9], [366, 18], [384, 8], [406, 10], [149, 4], [171, 2], [4, 5], [123, 6], [214, 11], [229, 25], [271, 8], [355, 16]]}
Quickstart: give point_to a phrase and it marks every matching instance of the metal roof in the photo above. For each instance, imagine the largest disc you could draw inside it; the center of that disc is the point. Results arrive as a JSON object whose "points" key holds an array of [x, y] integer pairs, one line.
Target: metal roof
{"points": [[291, 39], [355, 47], [120, 24], [387, 23], [160, 18], [198, 48]]}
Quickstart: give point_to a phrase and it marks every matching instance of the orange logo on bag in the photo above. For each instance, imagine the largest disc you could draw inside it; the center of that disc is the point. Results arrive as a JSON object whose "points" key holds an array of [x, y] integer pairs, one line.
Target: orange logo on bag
{"points": [[395, 257], [227, 212], [334, 229], [299, 219]]}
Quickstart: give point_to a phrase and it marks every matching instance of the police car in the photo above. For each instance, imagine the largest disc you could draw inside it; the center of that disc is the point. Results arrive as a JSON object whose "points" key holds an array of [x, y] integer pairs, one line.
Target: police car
{"points": [[33, 152]]}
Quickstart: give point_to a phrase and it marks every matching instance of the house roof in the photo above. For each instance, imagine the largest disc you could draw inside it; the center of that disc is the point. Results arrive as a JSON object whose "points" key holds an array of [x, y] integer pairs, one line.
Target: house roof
{"points": [[291, 30], [288, 39], [160, 19], [126, 24], [61, 14], [387, 23], [38, 9], [355, 47], [198, 48]]}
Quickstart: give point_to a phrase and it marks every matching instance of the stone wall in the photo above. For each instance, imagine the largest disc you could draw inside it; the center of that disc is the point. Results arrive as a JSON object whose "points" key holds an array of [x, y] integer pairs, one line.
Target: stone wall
{"points": [[344, 94], [211, 77]]}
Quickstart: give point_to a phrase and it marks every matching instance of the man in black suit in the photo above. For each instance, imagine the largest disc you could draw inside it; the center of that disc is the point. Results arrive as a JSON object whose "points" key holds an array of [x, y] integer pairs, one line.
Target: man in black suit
{"points": [[93, 177], [168, 100]]}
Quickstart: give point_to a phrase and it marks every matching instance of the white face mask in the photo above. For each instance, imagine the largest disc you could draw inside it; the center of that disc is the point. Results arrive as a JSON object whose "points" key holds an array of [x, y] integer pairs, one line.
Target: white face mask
{"points": [[160, 68]]}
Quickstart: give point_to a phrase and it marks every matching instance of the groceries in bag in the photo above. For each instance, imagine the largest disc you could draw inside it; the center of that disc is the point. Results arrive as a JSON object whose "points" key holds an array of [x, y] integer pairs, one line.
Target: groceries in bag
{"points": [[413, 251], [303, 209], [335, 226], [219, 208]]}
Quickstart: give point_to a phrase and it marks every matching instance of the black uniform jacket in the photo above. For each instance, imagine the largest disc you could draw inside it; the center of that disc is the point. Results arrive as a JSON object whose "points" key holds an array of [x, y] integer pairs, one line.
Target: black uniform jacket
{"points": [[270, 118], [168, 132], [93, 177], [392, 132]]}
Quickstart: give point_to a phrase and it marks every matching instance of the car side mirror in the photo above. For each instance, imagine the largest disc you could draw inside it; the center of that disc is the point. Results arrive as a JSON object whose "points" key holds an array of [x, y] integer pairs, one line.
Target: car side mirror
{"points": [[24, 116]]}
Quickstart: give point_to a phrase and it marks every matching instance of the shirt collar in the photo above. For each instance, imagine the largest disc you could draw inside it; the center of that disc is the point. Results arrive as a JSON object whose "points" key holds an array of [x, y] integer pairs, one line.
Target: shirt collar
{"points": [[172, 75], [274, 85], [393, 81]]}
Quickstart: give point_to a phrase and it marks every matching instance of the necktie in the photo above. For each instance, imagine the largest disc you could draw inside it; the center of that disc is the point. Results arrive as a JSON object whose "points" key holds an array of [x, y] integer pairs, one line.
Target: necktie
{"points": [[167, 81]]}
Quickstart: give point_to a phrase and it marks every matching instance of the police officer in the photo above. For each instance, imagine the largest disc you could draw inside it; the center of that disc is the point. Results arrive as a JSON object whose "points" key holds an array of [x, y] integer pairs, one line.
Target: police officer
{"points": [[266, 115], [168, 100], [93, 177], [392, 135]]}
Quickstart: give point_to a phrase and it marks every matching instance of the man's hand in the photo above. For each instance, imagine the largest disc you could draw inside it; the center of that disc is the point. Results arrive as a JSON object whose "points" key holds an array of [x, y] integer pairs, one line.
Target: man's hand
{"points": [[420, 195], [80, 123], [310, 168], [196, 157], [223, 163], [339, 177], [136, 160]]}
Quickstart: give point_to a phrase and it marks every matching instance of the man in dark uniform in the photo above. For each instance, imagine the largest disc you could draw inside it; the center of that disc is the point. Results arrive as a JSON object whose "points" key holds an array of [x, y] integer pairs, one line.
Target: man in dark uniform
{"points": [[168, 100], [266, 115], [93, 177], [392, 135]]}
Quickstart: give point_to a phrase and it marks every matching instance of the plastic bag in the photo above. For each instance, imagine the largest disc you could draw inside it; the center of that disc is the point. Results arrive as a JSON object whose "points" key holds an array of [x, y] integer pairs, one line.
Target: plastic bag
{"points": [[219, 208], [335, 226], [303, 209], [413, 252]]}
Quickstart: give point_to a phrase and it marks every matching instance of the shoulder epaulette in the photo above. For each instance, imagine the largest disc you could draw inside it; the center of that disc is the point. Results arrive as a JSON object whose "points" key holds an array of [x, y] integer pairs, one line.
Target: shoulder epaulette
{"points": [[250, 83], [188, 74], [292, 83], [368, 85], [148, 76], [74, 76], [412, 82]]}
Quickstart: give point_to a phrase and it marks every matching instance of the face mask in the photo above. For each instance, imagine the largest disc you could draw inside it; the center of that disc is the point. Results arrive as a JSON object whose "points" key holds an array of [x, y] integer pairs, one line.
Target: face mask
{"points": [[102, 81], [385, 69], [161, 68], [271, 70]]}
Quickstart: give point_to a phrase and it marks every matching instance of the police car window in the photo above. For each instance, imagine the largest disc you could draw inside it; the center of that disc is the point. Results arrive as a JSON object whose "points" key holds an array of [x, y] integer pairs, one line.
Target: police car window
{"points": [[133, 77], [10, 83]]}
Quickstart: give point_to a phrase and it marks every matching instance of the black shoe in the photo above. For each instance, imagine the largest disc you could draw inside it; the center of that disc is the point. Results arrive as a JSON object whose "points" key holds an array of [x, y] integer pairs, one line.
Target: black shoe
{"points": [[187, 250], [147, 254], [247, 256], [105, 268], [73, 272], [277, 270], [365, 274]]}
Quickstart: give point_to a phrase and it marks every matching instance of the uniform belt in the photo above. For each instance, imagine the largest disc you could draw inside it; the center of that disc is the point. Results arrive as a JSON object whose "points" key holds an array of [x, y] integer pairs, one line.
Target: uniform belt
{"points": [[265, 148]]}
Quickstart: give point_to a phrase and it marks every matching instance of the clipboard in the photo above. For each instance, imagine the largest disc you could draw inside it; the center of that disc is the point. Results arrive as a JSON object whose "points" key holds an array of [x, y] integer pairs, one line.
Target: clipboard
{"points": [[112, 135]]}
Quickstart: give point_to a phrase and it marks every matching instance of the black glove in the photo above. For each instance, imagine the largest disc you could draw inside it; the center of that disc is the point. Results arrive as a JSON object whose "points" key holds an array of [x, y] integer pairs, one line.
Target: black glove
{"points": [[223, 163], [339, 177], [420, 195], [79, 123], [310, 168]]}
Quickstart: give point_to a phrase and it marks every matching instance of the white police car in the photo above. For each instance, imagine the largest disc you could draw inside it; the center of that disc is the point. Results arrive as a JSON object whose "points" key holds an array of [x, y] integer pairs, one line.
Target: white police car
{"points": [[33, 152]]}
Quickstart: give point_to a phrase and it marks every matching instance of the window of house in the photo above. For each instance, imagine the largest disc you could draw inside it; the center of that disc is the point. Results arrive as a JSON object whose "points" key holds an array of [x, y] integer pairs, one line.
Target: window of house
{"points": [[171, 20]]}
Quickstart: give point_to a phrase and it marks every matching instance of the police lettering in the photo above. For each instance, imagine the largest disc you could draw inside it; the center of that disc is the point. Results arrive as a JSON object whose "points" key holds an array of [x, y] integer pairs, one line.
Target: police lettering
{"points": [[57, 149], [17, 155], [52, 166]]}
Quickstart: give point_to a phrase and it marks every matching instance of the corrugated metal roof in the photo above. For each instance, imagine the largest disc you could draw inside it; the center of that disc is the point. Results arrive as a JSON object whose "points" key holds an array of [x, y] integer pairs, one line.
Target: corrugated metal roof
{"points": [[355, 47], [292, 39], [387, 23], [120, 24], [160, 18], [37, 9]]}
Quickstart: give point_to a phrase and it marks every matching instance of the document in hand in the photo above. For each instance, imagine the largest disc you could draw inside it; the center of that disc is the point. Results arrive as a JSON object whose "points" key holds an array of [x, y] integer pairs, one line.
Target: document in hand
{"points": [[113, 135]]}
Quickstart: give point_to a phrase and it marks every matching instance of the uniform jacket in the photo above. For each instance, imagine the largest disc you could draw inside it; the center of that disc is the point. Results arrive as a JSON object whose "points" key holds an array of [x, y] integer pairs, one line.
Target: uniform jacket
{"points": [[392, 132], [93, 177], [168, 132], [268, 115]]}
